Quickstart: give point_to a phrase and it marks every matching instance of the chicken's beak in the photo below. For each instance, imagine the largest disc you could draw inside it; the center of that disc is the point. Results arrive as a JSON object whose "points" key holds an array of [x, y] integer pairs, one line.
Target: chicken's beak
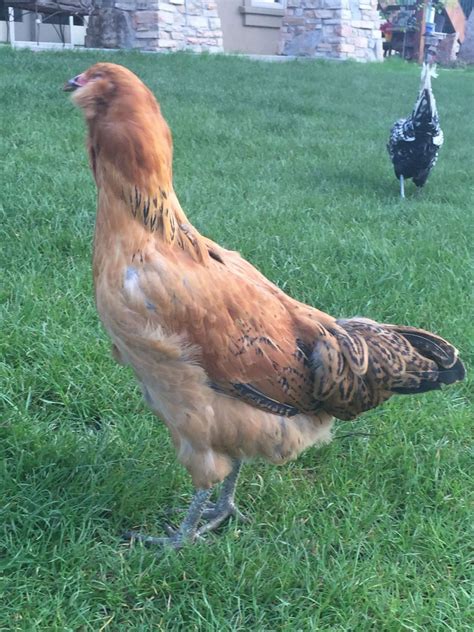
{"points": [[76, 82]]}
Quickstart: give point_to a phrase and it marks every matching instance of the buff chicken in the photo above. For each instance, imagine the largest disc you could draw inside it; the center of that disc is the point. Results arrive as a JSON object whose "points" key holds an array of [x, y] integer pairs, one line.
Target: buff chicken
{"points": [[235, 368]]}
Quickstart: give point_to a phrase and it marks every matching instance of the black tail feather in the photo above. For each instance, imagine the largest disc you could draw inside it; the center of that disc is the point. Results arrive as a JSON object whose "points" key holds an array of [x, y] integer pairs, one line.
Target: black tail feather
{"points": [[456, 373], [423, 387], [450, 369]]}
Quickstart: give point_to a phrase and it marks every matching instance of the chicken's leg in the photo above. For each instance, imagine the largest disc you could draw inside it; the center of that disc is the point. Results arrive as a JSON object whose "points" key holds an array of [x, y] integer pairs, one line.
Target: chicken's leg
{"points": [[216, 513], [186, 532], [402, 187]]}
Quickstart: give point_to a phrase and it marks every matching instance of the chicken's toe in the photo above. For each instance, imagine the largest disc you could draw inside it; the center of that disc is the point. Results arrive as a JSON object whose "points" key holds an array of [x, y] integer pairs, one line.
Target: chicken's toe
{"points": [[215, 516], [174, 541]]}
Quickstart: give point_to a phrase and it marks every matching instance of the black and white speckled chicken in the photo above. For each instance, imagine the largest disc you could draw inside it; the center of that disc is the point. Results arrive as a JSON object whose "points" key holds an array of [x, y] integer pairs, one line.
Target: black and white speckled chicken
{"points": [[415, 141]]}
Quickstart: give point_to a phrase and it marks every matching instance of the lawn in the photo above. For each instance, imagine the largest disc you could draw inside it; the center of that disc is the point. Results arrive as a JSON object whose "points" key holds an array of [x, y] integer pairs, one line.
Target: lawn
{"points": [[286, 163]]}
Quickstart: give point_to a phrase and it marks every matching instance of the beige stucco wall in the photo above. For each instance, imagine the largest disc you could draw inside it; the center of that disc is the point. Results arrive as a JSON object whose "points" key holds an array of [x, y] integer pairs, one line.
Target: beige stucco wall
{"points": [[239, 38]]}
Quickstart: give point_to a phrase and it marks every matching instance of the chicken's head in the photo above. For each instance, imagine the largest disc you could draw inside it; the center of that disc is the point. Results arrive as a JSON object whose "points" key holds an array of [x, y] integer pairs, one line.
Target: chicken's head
{"points": [[102, 86], [126, 128]]}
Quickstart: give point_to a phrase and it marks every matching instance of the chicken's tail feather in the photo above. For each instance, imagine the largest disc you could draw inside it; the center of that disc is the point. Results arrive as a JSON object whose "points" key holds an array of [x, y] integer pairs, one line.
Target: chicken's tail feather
{"points": [[449, 369], [364, 363], [425, 116], [428, 71]]}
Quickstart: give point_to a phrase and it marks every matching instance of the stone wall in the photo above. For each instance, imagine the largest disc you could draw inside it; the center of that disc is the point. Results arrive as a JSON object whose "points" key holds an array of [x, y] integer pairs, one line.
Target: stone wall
{"points": [[155, 25], [338, 29]]}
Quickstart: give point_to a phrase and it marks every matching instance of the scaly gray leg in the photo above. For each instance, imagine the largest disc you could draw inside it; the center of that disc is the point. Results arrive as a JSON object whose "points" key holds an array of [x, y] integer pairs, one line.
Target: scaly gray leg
{"points": [[186, 532], [216, 513], [402, 186]]}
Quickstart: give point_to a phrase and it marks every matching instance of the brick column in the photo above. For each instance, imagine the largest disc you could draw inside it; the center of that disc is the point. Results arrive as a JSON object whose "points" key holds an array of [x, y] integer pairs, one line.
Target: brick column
{"points": [[338, 29], [155, 25]]}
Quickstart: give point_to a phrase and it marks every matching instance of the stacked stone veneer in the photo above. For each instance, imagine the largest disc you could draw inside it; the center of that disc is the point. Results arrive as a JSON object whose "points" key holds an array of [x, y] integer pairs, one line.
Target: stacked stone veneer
{"points": [[155, 25], [339, 29]]}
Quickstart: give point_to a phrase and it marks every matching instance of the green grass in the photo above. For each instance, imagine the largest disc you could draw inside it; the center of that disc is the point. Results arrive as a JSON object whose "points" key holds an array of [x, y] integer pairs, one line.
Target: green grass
{"points": [[286, 163]]}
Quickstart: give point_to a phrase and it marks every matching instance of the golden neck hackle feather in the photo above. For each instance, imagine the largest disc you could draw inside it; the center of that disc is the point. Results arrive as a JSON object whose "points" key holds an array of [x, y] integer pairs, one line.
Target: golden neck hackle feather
{"points": [[131, 152]]}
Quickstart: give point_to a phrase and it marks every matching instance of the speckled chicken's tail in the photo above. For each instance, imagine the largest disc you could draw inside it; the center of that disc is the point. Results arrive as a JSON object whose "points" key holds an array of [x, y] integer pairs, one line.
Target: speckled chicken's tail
{"points": [[427, 72]]}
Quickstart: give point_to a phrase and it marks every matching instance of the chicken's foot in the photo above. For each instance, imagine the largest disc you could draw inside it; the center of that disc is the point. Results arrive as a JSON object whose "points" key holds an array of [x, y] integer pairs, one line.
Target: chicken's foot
{"points": [[402, 187], [186, 532], [216, 513]]}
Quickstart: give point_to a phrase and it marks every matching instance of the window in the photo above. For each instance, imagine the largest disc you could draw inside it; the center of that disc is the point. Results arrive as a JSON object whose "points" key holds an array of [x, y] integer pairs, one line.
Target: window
{"points": [[269, 4], [263, 13]]}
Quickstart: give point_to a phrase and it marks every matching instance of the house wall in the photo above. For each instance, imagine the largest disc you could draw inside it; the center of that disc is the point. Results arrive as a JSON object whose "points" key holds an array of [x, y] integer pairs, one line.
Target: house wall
{"points": [[316, 28], [248, 28], [198, 25]]}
